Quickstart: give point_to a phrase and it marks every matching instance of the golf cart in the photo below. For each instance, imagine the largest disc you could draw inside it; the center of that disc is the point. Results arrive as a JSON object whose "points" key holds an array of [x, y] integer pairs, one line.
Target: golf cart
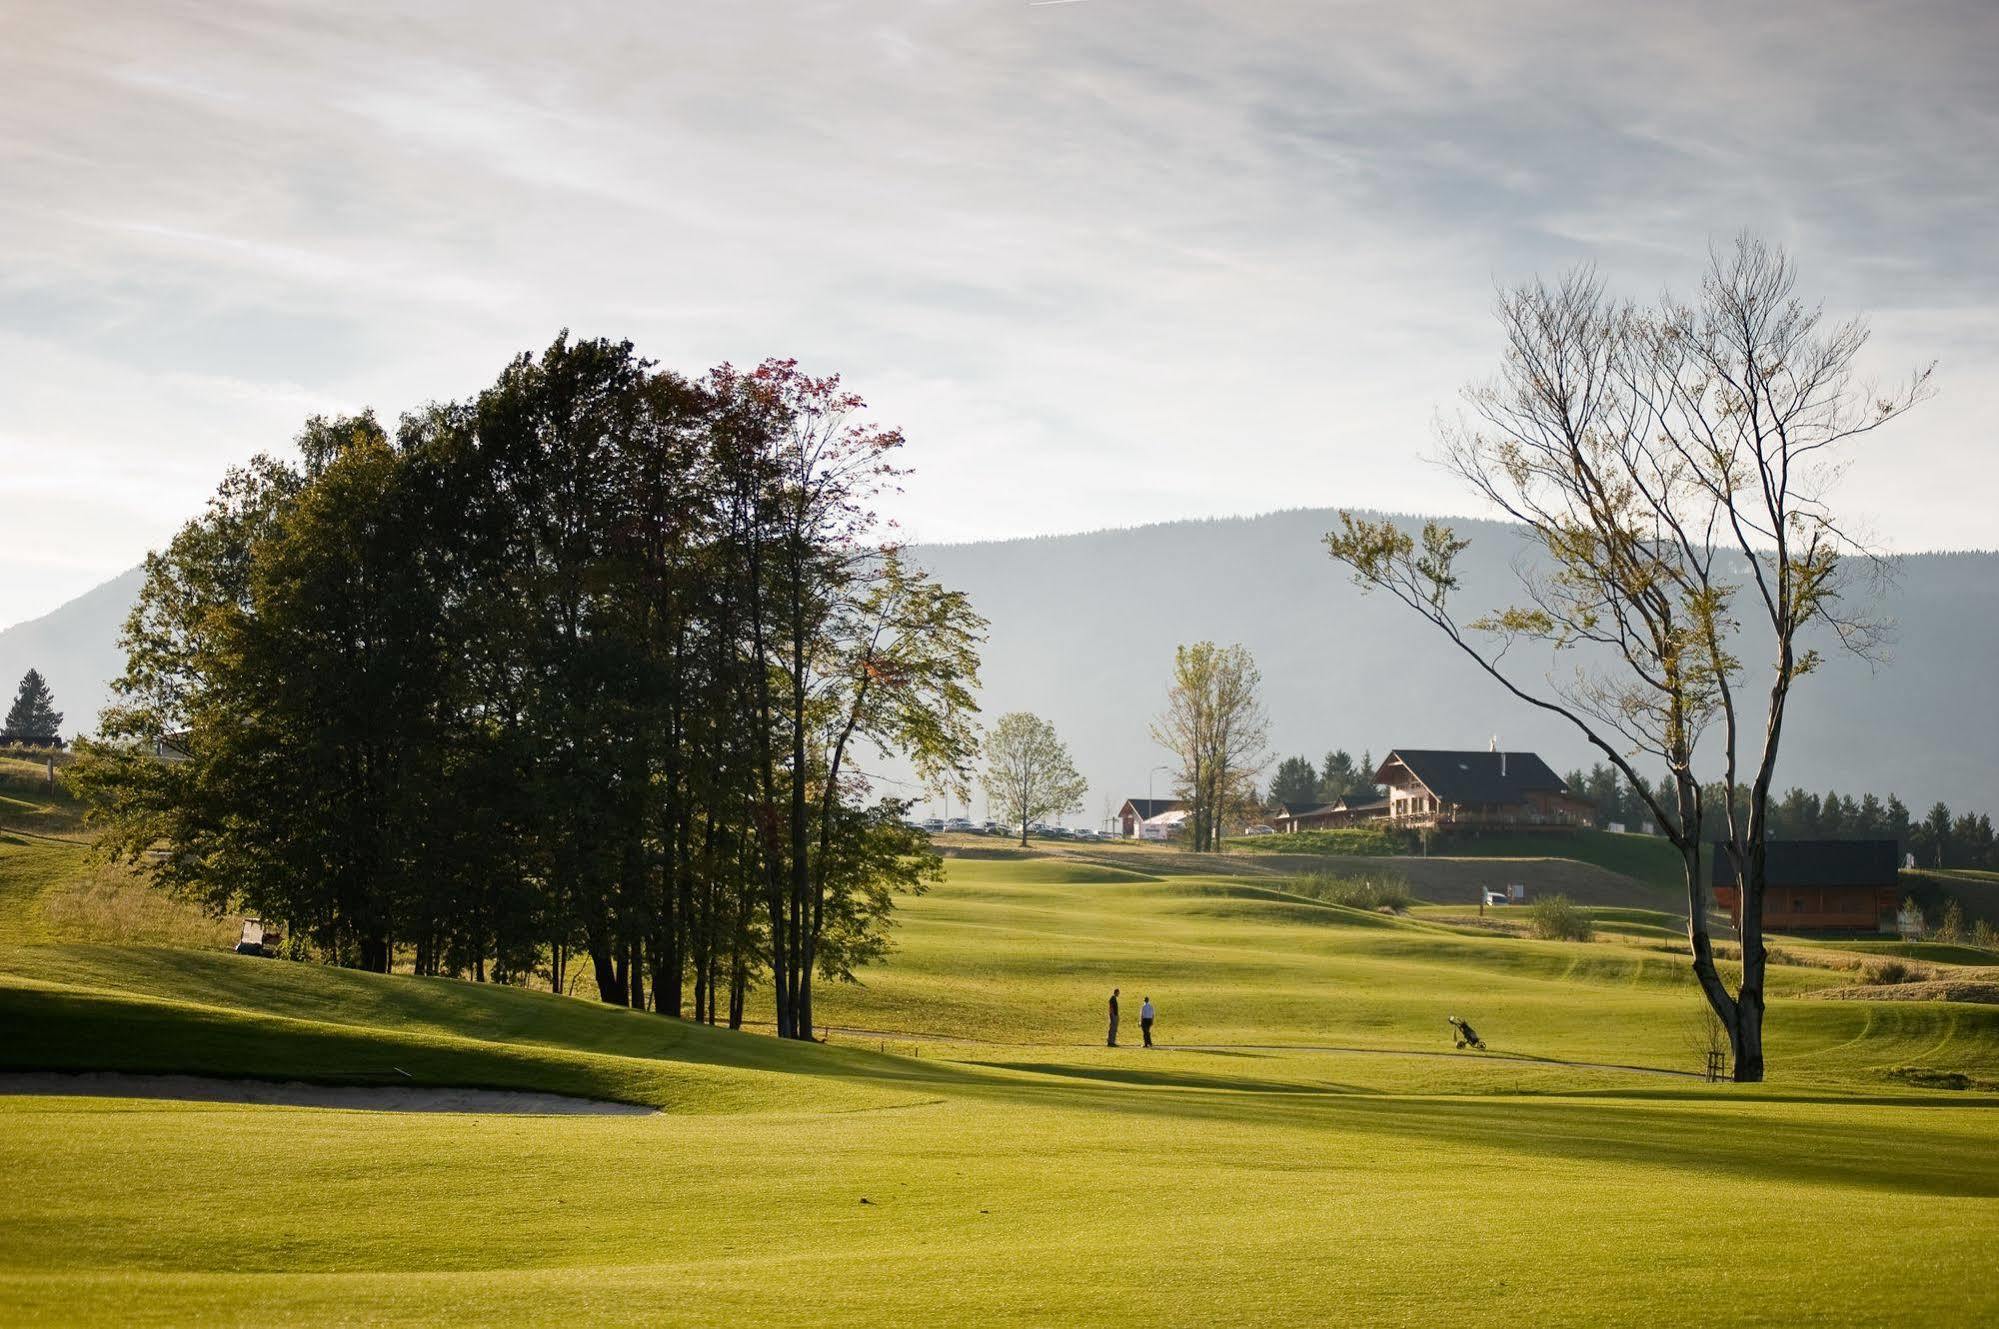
{"points": [[257, 939]]}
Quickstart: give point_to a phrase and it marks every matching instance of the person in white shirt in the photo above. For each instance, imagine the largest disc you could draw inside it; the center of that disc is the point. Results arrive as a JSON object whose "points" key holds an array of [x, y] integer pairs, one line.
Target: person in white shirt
{"points": [[1145, 1020]]}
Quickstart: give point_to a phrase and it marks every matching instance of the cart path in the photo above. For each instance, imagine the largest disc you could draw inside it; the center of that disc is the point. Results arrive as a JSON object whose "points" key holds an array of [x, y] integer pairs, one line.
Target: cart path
{"points": [[295, 1093], [894, 1036]]}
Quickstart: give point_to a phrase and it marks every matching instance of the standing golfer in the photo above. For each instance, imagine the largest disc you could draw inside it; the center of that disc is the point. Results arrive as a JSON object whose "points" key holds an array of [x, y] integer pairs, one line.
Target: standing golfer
{"points": [[1145, 1020], [1113, 1037]]}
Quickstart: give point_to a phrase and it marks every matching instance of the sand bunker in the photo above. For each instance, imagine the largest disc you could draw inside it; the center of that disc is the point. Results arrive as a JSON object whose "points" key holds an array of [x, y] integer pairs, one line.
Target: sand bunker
{"points": [[293, 1093]]}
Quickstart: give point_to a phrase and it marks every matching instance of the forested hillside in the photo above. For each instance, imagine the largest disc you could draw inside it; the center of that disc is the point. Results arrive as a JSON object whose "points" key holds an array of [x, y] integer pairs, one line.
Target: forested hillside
{"points": [[1083, 630]]}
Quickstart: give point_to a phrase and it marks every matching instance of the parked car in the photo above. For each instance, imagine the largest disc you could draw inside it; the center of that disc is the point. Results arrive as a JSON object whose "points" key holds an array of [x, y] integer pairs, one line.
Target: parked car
{"points": [[1259, 830], [959, 824]]}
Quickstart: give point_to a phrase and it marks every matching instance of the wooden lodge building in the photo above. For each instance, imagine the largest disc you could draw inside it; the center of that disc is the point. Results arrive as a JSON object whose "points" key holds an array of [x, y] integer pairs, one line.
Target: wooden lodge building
{"points": [[1351, 810], [1433, 788], [1819, 885]]}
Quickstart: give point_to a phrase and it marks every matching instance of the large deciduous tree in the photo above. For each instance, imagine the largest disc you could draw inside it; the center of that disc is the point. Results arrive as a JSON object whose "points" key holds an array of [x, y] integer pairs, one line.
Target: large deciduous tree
{"points": [[1216, 725], [1029, 774], [1671, 469]]}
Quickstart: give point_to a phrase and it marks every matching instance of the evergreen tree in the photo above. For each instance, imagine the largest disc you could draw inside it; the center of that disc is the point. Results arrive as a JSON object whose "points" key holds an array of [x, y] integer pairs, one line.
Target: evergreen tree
{"points": [[1296, 782], [1895, 822], [1935, 833], [1343, 777], [33, 714]]}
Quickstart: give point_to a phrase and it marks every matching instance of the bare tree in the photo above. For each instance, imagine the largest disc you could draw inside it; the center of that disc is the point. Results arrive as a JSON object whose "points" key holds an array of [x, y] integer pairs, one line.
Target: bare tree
{"points": [[1671, 468], [1216, 725], [1029, 772]]}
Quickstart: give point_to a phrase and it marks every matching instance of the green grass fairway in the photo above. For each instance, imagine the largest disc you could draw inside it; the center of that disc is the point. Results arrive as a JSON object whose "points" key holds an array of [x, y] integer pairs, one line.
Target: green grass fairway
{"points": [[1307, 1147]]}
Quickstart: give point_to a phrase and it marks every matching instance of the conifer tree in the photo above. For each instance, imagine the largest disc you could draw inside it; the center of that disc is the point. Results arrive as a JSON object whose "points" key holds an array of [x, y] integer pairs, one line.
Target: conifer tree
{"points": [[33, 714]]}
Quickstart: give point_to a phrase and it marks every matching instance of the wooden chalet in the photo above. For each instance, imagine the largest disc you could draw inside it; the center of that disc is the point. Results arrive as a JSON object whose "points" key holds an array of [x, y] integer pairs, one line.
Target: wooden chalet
{"points": [[1433, 787], [1346, 811], [1137, 811], [1819, 885]]}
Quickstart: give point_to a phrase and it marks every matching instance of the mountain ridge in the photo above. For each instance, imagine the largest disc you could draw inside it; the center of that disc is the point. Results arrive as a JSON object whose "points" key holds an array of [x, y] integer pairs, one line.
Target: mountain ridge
{"points": [[1084, 626]]}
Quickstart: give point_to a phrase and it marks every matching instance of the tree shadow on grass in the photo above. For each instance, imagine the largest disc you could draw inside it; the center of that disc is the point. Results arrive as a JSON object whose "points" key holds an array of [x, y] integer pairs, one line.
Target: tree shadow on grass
{"points": [[1716, 1137]]}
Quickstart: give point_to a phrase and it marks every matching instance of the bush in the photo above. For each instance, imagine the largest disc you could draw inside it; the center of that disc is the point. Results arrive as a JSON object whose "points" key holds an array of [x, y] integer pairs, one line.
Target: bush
{"points": [[1558, 918], [1951, 928], [1382, 891], [1890, 971]]}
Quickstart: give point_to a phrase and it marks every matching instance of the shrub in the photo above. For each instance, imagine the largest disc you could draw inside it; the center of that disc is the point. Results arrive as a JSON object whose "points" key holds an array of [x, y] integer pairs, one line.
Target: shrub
{"points": [[1558, 918], [1983, 936], [1889, 971], [1951, 927], [1381, 891]]}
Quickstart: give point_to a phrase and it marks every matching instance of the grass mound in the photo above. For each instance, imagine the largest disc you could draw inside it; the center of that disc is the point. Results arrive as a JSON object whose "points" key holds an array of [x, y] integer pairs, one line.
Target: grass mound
{"points": [[1355, 841]]}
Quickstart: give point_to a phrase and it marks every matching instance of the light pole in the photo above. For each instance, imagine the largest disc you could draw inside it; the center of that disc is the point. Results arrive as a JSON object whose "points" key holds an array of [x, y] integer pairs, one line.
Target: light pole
{"points": [[1148, 796]]}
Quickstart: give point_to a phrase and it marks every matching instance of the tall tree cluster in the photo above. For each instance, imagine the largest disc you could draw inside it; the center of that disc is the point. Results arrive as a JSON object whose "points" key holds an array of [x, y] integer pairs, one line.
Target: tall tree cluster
{"points": [[1216, 725], [582, 670], [1298, 781]]}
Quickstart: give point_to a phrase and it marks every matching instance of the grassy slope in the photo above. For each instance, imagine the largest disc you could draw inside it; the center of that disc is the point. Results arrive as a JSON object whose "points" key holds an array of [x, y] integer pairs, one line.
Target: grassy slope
{"points": [[1036, 1178]]}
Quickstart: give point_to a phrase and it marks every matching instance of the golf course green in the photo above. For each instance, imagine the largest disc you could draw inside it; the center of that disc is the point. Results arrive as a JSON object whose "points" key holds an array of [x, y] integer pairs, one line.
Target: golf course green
{"points": [[1305, 1144]]}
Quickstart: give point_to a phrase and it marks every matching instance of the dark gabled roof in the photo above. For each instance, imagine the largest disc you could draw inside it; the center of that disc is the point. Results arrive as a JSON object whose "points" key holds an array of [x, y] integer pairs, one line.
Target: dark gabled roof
{"points": [[1301, 809], [1821, 863], [1365, 805], [1148, 808], [1474, 777]]}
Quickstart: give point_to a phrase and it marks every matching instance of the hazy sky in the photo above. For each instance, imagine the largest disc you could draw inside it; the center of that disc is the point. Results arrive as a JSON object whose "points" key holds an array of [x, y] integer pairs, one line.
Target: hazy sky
{"points": [[1107, 262]]}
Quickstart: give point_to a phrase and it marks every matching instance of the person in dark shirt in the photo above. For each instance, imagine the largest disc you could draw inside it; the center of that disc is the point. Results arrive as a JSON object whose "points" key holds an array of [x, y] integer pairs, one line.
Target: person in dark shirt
{"points": [[1113, 1038]]}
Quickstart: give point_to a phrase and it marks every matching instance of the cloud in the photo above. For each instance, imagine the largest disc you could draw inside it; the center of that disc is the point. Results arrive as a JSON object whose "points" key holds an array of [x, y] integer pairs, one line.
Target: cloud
{"points": [[1106, 262]]}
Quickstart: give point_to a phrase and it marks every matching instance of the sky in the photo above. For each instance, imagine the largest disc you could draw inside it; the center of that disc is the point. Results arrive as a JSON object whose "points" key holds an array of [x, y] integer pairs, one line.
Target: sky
{"points": [[1107, 262]]}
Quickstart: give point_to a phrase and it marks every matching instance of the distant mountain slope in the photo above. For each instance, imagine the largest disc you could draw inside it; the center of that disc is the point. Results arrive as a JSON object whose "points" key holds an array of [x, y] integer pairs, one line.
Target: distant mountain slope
{"points": [[76, 648], [1084, 626]]}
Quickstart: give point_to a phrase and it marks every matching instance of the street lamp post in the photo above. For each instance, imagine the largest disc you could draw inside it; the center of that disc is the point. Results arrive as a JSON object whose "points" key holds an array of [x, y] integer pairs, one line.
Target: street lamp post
{"points": [[1148, 794]]}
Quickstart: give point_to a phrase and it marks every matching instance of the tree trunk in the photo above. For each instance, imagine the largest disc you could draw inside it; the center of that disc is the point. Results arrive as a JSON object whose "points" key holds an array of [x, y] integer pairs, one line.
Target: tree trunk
{"points": [[374, 952], [1746, 1030], [610, 983], [1745, 1036]]}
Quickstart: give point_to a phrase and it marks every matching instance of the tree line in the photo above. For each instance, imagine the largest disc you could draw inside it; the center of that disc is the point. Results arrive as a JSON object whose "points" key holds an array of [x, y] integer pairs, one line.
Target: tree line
{"points": [[1298, 783], [580, 670], [1938, 839]]}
